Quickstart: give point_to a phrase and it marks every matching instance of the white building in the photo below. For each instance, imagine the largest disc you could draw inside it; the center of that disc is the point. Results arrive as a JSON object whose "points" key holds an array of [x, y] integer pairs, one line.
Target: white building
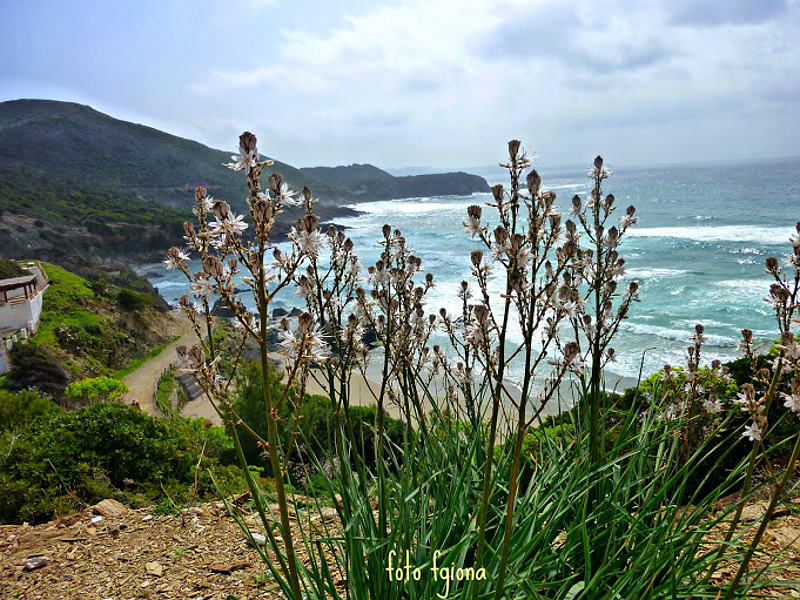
{"points": [[20, 307]]}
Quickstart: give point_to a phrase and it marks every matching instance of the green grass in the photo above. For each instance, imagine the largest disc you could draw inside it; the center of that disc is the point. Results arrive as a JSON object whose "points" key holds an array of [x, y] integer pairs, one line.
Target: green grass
{"points": [[166, 385], [139, 361], [68, 300]]}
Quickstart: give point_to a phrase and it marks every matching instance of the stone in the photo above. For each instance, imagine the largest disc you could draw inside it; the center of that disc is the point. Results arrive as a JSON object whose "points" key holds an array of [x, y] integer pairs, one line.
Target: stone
{"points": [[37, 562], [259, 539], [228, 567], [154, 569], [109, 508]]}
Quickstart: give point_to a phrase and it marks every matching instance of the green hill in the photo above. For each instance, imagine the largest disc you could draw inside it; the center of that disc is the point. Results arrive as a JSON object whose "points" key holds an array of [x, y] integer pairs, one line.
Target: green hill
{"points": [[367, 182], [78, 186]]}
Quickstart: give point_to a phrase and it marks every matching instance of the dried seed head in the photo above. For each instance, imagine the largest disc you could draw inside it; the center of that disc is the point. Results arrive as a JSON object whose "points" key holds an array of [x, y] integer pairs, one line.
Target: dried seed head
{"points": [[631, 210], [513, 148], [576, 204], [571, 350], [474, 212], [534, 182], [497, 192], [247, 145], [500, 235], [747, 335], [387, 231], [200, 194], [772, 264], [221, 209], [598, 162], [481, 312], [699, 329], [306, 193], [275, 182], [305, 322], [309, 222], [476, 256], [213, 266]]}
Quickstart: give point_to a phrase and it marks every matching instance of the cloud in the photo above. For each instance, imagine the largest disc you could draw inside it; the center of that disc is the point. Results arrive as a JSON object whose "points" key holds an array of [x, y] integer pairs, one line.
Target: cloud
{"points": [[721, 12], [402, 82]]}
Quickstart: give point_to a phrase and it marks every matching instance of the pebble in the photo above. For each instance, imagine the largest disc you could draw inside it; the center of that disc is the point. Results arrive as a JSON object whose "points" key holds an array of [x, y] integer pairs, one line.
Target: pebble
{"points": [[259, 539], [29, 564]]}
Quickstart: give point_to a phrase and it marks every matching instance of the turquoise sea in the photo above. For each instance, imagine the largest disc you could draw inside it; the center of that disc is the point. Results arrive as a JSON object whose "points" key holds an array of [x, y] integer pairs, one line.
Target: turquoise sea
{"points": [[698, 250]]}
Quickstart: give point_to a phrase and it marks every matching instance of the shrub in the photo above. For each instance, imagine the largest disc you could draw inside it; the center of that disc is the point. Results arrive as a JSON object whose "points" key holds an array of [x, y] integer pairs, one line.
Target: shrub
{"points": [[94, 389], [316, 423], [9, 268], [131, 301], [107, 449], [17, 410]]}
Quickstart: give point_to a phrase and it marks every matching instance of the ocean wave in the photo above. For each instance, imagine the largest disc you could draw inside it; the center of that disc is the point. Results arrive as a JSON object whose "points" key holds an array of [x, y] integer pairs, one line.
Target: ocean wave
{"points": [[411, 207], [654, 273], [698, 217], [724, 233], [676, 335]]}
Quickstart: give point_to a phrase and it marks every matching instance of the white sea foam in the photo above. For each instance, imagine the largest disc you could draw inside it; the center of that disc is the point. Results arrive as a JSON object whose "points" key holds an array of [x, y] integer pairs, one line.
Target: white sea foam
{"points": [[723, 233], [676, 335], [654, 273]]}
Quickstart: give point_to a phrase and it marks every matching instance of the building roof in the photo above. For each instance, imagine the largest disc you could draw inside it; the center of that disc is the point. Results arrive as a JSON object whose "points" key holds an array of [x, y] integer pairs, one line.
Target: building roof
{"points": [[16, 282]]}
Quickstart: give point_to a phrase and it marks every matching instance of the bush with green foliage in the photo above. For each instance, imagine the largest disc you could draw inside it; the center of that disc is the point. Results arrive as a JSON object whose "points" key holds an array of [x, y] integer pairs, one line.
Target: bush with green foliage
{"points": [[315, 422], [108, 450], [9, 268], [94, 389], [17, 410]]}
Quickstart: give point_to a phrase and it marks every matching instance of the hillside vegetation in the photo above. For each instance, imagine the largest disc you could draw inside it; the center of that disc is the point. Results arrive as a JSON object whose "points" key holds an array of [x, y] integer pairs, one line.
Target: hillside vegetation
{"points": [[79, 184], [87, 329]]}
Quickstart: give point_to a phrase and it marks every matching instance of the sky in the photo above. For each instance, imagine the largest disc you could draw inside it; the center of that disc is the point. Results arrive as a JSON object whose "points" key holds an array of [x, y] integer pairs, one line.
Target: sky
{"points": [[438, 83]]}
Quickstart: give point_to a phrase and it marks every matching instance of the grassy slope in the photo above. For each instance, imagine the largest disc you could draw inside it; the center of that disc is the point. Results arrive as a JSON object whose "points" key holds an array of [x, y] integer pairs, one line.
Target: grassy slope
{"points": [[102, 338]]}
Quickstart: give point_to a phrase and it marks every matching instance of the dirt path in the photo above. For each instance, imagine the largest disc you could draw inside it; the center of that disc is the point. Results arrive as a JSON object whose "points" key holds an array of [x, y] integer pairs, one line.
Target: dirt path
{"points": [[142, 381]]}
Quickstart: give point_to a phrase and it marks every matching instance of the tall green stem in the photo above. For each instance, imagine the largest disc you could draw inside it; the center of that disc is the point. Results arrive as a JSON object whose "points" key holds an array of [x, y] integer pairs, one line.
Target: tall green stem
{"points": [[765, 520]]}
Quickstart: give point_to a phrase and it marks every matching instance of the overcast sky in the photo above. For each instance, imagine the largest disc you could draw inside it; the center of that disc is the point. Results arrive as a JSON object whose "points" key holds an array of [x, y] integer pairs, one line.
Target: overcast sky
{"points": [[442, 83]]}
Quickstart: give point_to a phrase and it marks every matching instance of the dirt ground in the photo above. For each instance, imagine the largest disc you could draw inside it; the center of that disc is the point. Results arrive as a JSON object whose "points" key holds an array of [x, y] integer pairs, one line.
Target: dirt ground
{"points": [[202, 554], [142, 381]]}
